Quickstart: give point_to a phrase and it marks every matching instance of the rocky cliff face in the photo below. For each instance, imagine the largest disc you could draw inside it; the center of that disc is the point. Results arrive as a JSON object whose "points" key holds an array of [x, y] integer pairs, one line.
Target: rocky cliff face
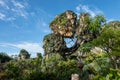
{"points": [[64, 24], [83, 24]]}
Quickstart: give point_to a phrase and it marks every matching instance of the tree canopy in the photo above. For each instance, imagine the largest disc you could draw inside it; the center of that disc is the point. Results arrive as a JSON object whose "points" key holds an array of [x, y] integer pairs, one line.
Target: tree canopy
{"points": [[24, 54], [4, 57]]}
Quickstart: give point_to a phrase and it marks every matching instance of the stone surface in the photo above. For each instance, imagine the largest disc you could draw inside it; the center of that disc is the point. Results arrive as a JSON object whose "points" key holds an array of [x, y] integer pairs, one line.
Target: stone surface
{"points": [[64, 24], [74, 77]]}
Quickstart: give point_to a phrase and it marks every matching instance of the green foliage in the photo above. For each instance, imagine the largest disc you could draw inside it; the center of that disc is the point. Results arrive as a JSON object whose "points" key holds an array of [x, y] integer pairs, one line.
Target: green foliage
{"points": [[53, 43], [66, 68], [85, 48], [96, 24], [4, 57], [92, 32], [53, 68], [64, 24], [114, 74], [24, 53], [62, 20], [97, 63], [62, 69], [51, 63], [12, 69], [109, 40], [23, 69], [39, 55]]}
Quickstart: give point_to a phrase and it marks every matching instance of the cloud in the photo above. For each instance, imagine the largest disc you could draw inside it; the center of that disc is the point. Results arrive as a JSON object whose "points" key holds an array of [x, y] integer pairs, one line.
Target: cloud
{"points": [[20, 12], [3, 4], [13, 9], [2, 16], [111, 19], [17, 4], [85, 8], [44, 24], [19, 8], [29, 46], [10, 19]]}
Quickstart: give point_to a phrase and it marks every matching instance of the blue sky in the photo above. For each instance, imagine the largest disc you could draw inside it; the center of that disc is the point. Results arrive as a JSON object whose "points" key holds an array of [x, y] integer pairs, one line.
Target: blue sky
{"points": [[24, 23]]}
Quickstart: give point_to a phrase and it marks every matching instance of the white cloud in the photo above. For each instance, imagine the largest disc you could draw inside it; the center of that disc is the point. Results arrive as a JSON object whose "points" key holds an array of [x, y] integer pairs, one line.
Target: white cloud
{"points": [[29, 46], [109, 20], [17, 4], [85, 8], [10, 19], [3, 4], [44, 24], [2, 16], [78, 8], [20, 12], [13, 9], [19, 8]]}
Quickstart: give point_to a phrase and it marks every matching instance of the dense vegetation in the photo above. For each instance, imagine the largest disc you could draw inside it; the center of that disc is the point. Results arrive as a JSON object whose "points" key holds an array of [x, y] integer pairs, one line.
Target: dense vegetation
{"points": [[95, 54]]}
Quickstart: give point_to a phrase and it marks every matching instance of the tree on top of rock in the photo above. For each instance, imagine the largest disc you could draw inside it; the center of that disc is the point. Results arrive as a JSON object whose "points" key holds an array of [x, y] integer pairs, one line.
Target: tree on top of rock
{"points": [[67, 25]]}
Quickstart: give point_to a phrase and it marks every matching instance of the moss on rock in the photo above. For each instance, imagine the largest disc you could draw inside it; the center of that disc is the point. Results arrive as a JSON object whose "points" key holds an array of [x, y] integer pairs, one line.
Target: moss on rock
{"points": [[53, 43], [64, 24]]}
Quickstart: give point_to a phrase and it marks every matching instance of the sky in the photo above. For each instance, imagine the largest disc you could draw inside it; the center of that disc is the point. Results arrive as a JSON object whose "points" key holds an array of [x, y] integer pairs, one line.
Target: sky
{"points": [[24, 23]]}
